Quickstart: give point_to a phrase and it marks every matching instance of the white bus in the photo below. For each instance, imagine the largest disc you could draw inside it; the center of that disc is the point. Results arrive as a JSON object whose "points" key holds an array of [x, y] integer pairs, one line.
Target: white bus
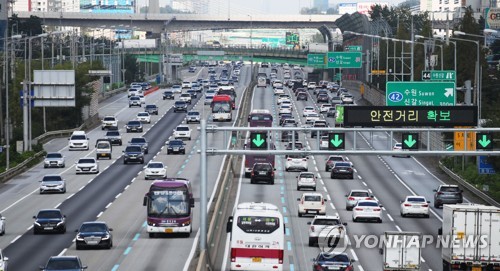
{"points": [[257, 237]]}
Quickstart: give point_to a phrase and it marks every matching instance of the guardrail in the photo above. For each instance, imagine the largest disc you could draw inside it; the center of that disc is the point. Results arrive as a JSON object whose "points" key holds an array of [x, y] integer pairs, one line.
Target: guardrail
{"points": [[21, 167]]}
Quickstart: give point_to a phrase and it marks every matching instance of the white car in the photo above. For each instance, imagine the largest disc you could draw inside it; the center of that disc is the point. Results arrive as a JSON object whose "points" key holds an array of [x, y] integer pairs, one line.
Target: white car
{"points": [[78, 141], [155, 170], [306, 180], [108, 122], [193, 116], [356, 195], [144, 117], [296, 162], [320, 222], [324, 108], [279, 90], [176, 89], [347, 99], [367, 210], [288, 102], [142, 99], [186, 97], [398, 147], [2, 230], [285, 109], [323, 143], [186, 84], [312, 117], [54, 159], [311, 203], [415, 205], [308, 110], [3, 261], [182, 131], [87, 165], [277, 84], [311, 85], [282, 97]]}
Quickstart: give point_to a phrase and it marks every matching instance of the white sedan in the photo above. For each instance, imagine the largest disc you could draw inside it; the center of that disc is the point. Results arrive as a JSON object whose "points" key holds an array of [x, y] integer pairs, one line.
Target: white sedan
{"points": [[144, 117], [312, 117], [279, 90], [87, 165], [398, 147], [415, 205], [367, 210], [155, 170], [285, 109], [308, 110]]}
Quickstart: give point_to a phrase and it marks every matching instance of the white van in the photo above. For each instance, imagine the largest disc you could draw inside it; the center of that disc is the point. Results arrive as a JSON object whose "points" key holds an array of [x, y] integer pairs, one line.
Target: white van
{"points": [[134, 91], [78, 141]]}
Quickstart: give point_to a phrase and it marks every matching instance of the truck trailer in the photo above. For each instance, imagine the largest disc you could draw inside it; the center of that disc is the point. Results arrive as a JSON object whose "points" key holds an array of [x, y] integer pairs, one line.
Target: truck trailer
{"points": [[402, 251]]}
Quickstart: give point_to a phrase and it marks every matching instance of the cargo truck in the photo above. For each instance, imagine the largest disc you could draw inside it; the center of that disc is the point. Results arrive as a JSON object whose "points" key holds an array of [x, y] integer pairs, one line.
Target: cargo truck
{"points": [[136, 44], [470, 237], [401, 251]]}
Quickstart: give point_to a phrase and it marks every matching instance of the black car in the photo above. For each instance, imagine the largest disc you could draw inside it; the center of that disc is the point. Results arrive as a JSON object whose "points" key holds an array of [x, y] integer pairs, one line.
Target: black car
{"points": [[322, 98], [283, 117], [152, 109], [114, 136], [94, 234], [326, 261], [168, 94], [133, 154], [140, 141], [134, 126], [180, 106], [447, 194], [193, 93], [302, 96], [67, 263], [49, 220], [176, 146], [342, 169], [262, 172]]}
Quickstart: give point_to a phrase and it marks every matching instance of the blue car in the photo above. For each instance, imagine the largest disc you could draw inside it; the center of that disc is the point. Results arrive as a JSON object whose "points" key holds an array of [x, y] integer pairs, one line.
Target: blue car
{"points": [[326, 262]]}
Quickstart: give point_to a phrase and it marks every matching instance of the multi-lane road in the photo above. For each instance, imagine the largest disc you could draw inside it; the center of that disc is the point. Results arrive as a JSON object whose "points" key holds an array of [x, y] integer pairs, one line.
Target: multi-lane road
{"points": [[114, 195]]}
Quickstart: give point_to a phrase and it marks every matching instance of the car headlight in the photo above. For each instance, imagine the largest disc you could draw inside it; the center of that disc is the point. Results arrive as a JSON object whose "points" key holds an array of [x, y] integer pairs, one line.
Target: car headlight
{"points": [[106, 237], [60, 223], [79, 238], [37, 224]]}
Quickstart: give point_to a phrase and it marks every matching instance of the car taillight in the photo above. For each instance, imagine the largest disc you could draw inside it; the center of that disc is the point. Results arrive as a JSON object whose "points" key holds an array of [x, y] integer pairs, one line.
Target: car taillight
{"points": [[407, 205], [280, 256], [351, 198], [272, 173], [440, 193], [318, 268], [369, 198], [233, 255], [252, 173], [425, 205], [358, 209], [376, 209], [312, 228], [302, 202], [304, 159], [289, 159], [322, 202]]}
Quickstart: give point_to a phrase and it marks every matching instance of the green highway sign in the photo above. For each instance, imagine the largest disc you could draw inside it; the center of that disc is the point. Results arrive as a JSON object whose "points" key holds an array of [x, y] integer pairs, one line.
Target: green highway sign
{"points": [[258, 140], [484, 141], [354, 48], [449, 75], [315, 59], [344, 60], [336, 141], [410, 141], [420, 93], [339, 115]]}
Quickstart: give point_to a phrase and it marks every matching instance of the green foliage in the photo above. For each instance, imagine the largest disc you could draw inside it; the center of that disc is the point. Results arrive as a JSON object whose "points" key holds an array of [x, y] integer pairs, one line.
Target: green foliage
{"points": [[132, 74]]}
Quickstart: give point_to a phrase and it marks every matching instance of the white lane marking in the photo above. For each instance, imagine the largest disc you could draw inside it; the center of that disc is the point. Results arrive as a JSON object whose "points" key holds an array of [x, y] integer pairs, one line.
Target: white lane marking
{"points": [[57, 206], [333, 206], [354, 256], [30, 227], [390, 217], [99, 214], [365, 184], [324, 188], [70, 196], [399, 229], [15, 239], [328, 197], [360, 268], [117, 196], [62, 252], [422, 259], [107, 206], [17, 201], [81, 188]]}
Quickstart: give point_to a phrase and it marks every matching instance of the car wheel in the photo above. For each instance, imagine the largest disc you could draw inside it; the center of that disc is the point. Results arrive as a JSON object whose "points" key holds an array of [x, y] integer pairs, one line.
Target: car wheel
{"points": [[142, 161], [78, 247], [352, 177], [300, 215], [45, 166], [380, 220], [347, 208], [314, 188], [168, 152], [272, 182], [110, 245], [298, 188], [146, 152], [436, 205], [251, 181], [427, 216], [331, 176], [354, 219], [311, 242], [402, 214], [152, 235], [124, 161]]}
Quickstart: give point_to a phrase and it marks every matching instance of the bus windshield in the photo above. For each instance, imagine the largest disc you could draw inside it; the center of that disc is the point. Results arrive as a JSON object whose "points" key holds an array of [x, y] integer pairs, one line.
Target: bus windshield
{"points": [[258, 224], [169, 203], [223, 107]]}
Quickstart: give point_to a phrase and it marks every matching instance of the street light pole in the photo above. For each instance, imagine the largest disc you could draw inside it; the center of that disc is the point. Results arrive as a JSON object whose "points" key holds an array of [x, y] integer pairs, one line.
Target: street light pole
{"points": [[251, 46]]}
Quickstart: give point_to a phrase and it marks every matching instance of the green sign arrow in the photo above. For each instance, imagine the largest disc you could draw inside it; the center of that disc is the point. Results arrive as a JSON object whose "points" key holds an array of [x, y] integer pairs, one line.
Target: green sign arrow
{"points": [[257, 141], [337, 141], [410, 141], [484, 141]]}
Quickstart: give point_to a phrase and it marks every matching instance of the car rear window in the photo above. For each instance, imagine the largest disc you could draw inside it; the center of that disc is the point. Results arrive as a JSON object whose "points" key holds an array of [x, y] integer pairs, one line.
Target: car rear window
{"points": [[109, 118], [51, 178], [182, 128], [327, 222], [416, 199], [86, 161], [133, 149], [114, 133], [134, 123], [307, 175], [138, 140], [155, 165], [360, 194], [312, 198], [450, 189], [262, 167], [340, 164], [78, 137], [54, 155], [336, 158], [368, 203]]}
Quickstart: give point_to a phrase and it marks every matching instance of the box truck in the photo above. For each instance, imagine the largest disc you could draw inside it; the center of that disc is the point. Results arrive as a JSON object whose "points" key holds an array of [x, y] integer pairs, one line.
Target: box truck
{"points": [[402, 251]]}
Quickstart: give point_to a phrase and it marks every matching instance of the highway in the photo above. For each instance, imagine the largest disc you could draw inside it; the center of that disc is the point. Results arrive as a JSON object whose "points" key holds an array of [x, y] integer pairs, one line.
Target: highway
{"points": [[390, 179], [114, 195]]}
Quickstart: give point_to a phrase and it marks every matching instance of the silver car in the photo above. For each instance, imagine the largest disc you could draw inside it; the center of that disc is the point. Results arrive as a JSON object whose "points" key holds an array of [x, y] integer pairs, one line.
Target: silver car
{"points": [[355, 196], [54, 159], [52, 183]]}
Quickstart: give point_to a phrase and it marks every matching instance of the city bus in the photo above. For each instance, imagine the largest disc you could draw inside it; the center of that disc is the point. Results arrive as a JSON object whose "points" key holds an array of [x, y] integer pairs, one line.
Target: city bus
{"points": [[228, 90], [221, 108], [259, 118], [257, 237], [169, 206]]}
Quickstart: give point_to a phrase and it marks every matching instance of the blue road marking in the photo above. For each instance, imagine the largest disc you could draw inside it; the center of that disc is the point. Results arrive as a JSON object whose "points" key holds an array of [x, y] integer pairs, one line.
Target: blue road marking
{"points": [[144, 224], [282, 188], [127, 251], [282, 199], [281, 180], [289, 245], [292, 268], [284, 209], [281, 174], [136, 237], [287, 231], [115, 267], [286, 219]]}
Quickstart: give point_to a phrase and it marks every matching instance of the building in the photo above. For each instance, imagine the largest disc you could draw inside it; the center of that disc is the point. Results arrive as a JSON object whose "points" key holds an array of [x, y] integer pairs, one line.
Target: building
{"points": [[47, 5], [191, 6], [449, 9], [321, 5]]}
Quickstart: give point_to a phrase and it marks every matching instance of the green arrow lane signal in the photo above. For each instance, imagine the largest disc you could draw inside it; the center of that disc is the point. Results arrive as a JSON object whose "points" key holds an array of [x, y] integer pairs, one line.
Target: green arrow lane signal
{"points": [[258, 140], [336, 141], [484, 141], [410, 141]]}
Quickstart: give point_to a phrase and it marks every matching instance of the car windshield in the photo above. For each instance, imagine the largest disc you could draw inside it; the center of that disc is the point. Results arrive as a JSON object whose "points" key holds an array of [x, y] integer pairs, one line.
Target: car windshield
{"points": [[54, 155], [182, 128], [368, 203], [335, 158], [109, 119], [180, 103], [51, 178], [102, 145], [360, 194], [155, 165], [307, 175], [185, 95], [114, 133], [86, 161], [63, 264], [193, 113], [138, 140], [312, 198], [326, 221], [449, 189], [93, 227], [133, 149], [416, 199], [340, 164], [333, 258], [143, 114], [150, 106], [168, 92], [134, 98], [262, 167], [134, 123], [78, 137], [49, 214]]}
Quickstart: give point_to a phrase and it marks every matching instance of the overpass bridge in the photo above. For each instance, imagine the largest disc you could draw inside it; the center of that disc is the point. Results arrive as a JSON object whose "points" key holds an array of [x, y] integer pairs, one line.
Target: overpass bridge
{"points": [[158, 23]]}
